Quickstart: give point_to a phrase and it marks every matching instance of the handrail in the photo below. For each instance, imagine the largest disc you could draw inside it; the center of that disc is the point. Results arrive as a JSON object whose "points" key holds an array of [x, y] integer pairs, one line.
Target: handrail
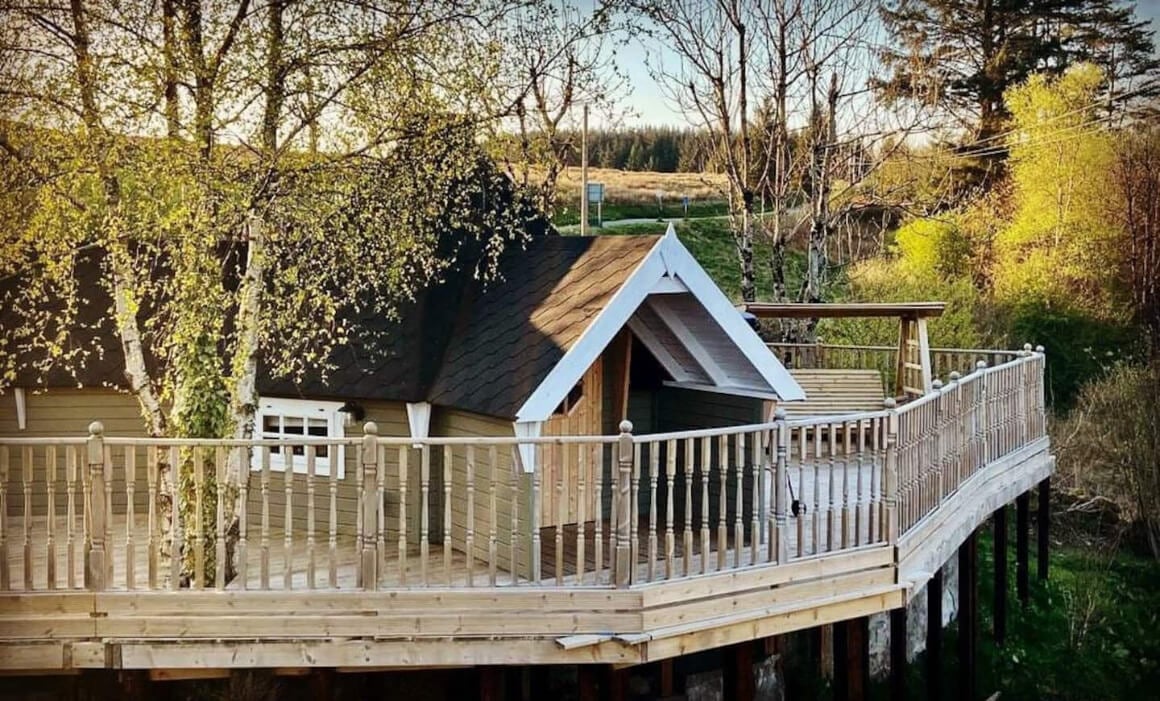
{"points": [[460, 511]]}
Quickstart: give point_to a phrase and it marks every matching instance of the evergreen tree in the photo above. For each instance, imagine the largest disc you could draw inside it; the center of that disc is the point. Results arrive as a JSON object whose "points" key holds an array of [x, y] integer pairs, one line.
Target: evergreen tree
{"points": [[964, 54]]}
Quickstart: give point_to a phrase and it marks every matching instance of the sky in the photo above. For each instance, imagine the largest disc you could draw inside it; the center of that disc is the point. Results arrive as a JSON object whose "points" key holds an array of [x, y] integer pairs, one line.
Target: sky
{"points": [[643, 102]]}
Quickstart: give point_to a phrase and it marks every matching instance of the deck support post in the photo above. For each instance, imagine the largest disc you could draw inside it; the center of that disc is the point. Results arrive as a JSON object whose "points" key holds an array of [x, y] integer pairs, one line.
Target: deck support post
{"points": [[737, 672], [968, 616], [667, 678], [890, 511], [934, 631], [1022, 516], [96, 575], [898, 661], [1043, 517], [851, 659], [999, 607], [586, 680], [617, 684], [368, 563], [624, 459]]}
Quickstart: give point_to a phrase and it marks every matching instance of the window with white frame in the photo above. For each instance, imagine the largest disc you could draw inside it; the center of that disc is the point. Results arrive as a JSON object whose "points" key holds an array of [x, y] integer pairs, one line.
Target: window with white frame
{"points": [[299, 418]]}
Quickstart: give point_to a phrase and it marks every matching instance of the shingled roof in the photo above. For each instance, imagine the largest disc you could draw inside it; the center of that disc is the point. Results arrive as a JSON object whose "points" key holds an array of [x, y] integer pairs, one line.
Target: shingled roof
{"points": [[521, 327], [512, 347]]}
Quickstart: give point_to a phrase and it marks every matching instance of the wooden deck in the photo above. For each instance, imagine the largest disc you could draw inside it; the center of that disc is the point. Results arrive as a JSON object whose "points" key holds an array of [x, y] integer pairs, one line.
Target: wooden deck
{"points": [[707, 538]]}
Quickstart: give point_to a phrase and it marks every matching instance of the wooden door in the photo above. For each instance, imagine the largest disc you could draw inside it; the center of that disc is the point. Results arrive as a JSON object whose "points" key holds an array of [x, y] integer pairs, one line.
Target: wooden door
{"points": [[561, 465]]}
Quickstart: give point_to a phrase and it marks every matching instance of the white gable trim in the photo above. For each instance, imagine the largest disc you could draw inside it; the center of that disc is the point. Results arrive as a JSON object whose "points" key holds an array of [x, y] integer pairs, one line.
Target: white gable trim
{"points": [[668, 285], [527, 451], [419, 419], [726, 315], [669, 257], [21, 410], [592, 342]]}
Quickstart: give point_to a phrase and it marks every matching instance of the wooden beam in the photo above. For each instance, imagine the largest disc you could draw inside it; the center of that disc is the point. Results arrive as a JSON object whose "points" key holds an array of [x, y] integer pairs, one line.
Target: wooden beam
{"points": [[617, 684], [1022, 516], [924, 356], [934, 635], [904, 328], [968, 618], [1043, 518], [849, 310], [999, 607], [898, 662], [667, 678]]}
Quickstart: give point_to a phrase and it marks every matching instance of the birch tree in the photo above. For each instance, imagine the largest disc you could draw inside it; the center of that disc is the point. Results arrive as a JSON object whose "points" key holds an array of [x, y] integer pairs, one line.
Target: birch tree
{"points": [[245, 177]]}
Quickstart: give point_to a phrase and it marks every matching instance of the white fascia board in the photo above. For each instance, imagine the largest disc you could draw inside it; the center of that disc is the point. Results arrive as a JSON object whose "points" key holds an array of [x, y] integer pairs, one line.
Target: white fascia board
{"points": [[527, 451], [419, 419], [592, 342], [658, 350], [681, 263]]}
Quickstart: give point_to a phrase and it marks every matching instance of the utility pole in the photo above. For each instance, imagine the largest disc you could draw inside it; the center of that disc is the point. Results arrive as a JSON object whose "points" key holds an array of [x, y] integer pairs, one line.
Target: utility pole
{"points": [[584, 174]]}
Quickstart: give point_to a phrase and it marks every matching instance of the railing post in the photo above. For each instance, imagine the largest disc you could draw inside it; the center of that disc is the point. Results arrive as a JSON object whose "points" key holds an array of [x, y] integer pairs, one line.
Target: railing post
{"points": [[890, 478], [984, 411], [368, 571], [624, 510], [1040, 393], [957, 432], [779, 546], [940, 446], [97, 569]]}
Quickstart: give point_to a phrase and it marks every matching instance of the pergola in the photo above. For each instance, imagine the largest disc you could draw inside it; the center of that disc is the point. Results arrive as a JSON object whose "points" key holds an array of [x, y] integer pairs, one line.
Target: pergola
{"points": [[913, 370]]}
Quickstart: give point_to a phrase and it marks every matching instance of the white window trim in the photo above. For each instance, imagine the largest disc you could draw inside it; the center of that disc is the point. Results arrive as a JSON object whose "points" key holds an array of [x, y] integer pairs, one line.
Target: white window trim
{"points": [[302, 408]]}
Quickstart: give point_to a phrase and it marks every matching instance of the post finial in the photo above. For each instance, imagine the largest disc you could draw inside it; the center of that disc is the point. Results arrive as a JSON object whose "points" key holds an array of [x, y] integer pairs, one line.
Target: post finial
{"points": [[936, 384], [982, 364], [96, 428], [1040, 349], [1027, 347], [371, 428], [779, 414], [889, 402], [626, 426], [955, 376]]}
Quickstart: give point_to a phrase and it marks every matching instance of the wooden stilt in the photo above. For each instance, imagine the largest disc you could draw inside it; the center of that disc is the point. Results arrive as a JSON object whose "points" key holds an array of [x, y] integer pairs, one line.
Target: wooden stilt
{"points": [[737, 672], [999, 607], [1022, 514], [322, 683], [665, 672], [841, 638], [538, 682], [1043, 516], [617, 684], [968, 617], [858, 657], [934, 630], [586, 678], [898, 654]]}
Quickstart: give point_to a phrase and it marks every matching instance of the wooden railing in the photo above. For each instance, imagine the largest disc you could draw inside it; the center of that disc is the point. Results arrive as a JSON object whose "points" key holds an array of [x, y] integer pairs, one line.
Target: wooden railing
{"points": [[944, 361], [613, 511]]}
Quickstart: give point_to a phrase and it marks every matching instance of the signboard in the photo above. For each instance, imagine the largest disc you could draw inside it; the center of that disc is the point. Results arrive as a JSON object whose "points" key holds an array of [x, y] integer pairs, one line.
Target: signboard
{"points": [[596, 192]]}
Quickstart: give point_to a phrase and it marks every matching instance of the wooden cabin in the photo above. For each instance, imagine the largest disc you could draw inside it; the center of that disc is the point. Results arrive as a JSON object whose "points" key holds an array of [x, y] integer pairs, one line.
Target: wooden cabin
{"points": [[575, 335]]}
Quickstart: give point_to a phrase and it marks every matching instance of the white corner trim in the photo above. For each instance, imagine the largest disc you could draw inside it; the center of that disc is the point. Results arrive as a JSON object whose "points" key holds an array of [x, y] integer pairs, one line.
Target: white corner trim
{"points": [[668, 285], [21, 408], [419, 419], [527, 451], [732, 323], [594, 339]]}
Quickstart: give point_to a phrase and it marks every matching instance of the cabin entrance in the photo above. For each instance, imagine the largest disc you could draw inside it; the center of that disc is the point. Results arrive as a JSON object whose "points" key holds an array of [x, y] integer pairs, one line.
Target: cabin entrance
{"points": [[566, 467]]}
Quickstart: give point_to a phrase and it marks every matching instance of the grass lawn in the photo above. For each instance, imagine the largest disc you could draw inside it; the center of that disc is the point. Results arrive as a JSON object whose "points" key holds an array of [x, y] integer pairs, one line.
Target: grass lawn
{"points": [[711, 243]]}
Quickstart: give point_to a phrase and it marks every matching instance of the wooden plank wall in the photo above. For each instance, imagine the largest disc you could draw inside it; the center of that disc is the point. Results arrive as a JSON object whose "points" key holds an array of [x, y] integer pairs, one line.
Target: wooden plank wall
{"points": [[68, 412]]}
